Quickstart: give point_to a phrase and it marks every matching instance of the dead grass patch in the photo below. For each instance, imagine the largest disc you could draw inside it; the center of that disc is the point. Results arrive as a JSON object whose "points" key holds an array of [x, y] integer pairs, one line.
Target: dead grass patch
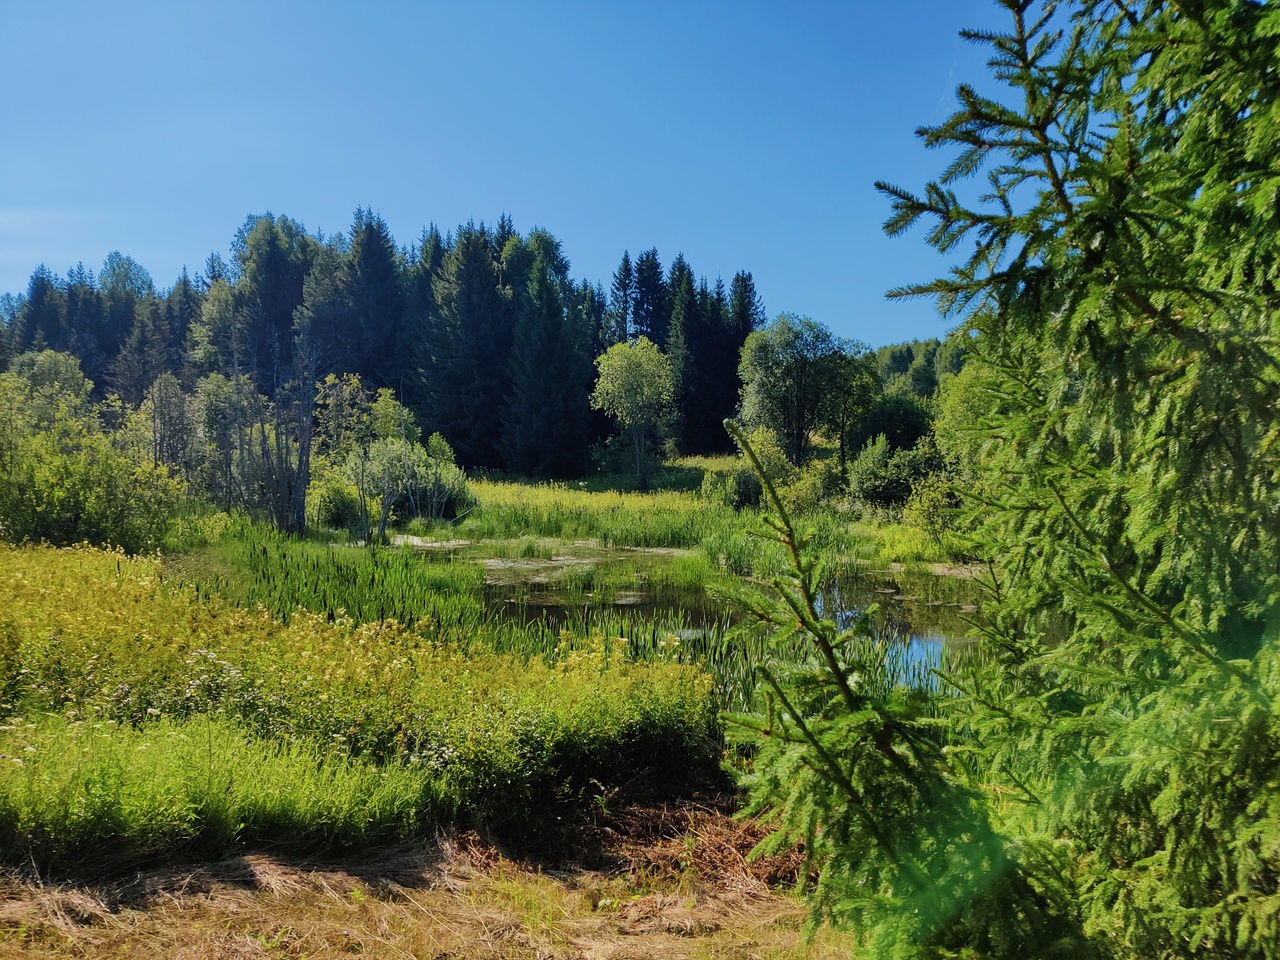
{"points": [[676, 885]]}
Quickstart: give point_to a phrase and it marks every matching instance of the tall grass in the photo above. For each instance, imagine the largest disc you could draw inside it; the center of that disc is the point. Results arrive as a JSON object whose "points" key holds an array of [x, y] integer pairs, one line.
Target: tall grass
{"points": [[100, 637], [103, 793], [253, 564], [663, 519]]}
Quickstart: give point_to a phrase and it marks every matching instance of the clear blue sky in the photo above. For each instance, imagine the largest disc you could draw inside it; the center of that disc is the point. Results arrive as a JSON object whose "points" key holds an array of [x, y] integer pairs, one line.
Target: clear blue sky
{"points": [[745, 135]]}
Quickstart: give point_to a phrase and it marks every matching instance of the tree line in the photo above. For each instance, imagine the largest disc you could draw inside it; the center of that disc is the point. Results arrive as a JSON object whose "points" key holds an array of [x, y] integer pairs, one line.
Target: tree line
{"points": [[481, 332]]}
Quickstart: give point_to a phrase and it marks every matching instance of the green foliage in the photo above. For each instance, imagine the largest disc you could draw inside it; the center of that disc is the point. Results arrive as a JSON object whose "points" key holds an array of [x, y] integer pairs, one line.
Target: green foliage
{"points": [[812, 486], [498, 739], [853, 762], [106, 794], [931, 505], [635, 387], [884, 476], [63, 479], [1121, 281], [394, 478], [740, 487], [898, 415], [792, 371]]}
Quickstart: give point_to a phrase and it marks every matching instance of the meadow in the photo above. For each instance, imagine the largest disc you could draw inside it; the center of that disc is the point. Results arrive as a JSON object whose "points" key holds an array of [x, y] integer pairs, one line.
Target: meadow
{"points": [[499, 671]]}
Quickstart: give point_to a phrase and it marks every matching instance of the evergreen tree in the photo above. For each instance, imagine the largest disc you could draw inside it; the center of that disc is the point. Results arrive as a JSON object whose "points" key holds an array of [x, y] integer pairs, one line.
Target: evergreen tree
{"points": [[622, 296], [746, 309], [86, 320], [145, 354], [375, 291], [651, 312], [546, 423], [273, 255], [425, 264], [219, 341], [588, 309], [683, 350], [325, 315], [215, 269], [9, 308], [126, 287], [181, 309], [503, 233], [1103, 776], [42, 321], [470, 347], [723, 385]]}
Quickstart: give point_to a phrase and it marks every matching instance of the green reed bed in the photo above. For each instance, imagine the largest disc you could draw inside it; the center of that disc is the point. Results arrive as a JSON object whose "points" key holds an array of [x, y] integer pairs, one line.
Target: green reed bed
{"points": [[443, 597], [253, 564], [664, 519]]}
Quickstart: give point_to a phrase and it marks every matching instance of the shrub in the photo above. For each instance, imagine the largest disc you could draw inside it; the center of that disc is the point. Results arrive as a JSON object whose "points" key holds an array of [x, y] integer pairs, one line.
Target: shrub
{"points": [[882, 475]]}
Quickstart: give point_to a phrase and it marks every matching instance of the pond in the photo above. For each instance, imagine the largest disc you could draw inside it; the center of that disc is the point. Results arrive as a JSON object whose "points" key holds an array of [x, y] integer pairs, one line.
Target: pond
{"points": [[918, 606]]}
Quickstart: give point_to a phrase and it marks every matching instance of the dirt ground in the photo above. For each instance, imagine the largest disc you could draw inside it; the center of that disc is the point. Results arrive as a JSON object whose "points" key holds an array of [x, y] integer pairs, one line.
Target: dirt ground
{"points": [[664, 881]]}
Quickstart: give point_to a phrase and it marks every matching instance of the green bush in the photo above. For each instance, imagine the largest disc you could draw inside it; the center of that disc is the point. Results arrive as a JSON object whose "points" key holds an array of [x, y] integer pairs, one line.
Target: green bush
{"points": [[333, 501], [884, 476], [739, 487]]}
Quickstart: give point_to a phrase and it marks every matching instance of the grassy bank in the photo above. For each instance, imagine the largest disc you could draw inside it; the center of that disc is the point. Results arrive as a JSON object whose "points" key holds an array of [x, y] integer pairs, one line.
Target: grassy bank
{"points": [[106, 644]]}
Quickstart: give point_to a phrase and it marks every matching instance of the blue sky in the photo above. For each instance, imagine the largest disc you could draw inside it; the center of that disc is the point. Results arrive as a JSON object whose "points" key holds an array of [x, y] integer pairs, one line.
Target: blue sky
{"points": [[745, 135]]}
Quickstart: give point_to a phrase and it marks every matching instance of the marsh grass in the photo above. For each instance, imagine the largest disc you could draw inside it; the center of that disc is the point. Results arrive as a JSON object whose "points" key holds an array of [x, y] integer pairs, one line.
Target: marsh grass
{"points": [[497, 736], [105, 793], [664, 519]]}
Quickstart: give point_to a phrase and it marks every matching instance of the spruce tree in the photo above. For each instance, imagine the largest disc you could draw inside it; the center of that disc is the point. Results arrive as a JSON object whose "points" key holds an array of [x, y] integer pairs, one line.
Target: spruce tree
{"points": [[145, 354], [1106, 765], [423, 270], [181, 309], [723, 385], [375, 292], [42, 321], [651, 313], [545, 428], [470, 344], [683, 348], [86, 322], [622, 295], [324, 317], [746, 309], [273, 255]]}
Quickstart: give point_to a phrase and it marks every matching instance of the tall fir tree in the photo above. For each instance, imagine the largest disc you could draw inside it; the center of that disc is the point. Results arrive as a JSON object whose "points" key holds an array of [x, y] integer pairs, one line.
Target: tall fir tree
{"points": [[651, 313], [273, 255], [622, 297], [746, 309], [42, 322], [721, 362], [86, 321], [545, 428], [375, 290], [324, 317], [470, 345], [682, 347], [125, 286], [145, 353], [181, 310], [426, 260]]}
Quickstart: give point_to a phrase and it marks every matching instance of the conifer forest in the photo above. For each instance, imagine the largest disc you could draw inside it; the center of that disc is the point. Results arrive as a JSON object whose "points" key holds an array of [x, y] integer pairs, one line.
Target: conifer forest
{"points": [[345, 549]]}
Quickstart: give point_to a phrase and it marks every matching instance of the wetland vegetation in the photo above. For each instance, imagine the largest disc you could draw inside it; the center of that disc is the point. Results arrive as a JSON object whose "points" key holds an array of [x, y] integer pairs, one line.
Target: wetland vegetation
{"points": [[252, 595]]}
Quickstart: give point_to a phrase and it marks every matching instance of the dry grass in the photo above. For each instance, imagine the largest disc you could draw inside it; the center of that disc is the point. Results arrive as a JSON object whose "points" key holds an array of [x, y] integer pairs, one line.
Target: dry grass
{"points": [[677, 886]]}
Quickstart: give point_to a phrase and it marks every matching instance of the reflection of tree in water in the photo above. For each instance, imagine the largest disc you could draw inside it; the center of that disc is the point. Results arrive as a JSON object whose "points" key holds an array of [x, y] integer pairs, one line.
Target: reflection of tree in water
{"points": [[919, 607]]}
